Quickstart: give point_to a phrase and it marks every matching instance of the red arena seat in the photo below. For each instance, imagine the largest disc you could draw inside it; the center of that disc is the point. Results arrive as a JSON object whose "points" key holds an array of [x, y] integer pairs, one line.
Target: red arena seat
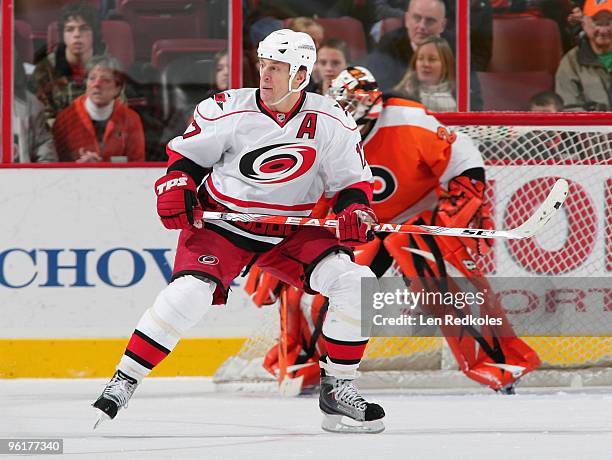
{"points": [[347, 29], [523, 43], [153, 20], [165, 51]]}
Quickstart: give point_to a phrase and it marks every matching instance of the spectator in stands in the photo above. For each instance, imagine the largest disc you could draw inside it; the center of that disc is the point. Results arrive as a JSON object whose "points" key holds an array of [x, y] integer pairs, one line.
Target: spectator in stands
{"points": [[584, 76], [60, 77], [97, 126], [425, 18], [546, 101], [222, 71], [33, 141], [316, 32], [430, 77], [333, 56], [309, 26], [389, 61]]}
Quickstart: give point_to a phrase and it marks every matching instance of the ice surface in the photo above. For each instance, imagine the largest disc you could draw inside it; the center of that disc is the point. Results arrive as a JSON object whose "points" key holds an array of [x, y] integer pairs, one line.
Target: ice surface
{"points": [[185, 418]]}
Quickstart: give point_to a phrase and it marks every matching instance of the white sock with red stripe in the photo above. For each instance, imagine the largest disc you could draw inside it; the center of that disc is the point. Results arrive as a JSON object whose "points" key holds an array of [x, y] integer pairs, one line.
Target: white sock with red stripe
{"points": [[339, 279], [179, 307]]}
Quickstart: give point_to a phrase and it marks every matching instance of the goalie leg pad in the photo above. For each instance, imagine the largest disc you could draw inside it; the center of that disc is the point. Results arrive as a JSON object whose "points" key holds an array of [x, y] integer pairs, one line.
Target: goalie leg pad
{"points": [[177, 308], [490, 355]]}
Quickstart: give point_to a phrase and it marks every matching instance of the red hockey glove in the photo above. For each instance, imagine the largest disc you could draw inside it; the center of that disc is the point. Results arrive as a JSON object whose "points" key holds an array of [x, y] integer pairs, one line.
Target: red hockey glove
{"points": [[354, 224], [463, 206], [177, 201]]}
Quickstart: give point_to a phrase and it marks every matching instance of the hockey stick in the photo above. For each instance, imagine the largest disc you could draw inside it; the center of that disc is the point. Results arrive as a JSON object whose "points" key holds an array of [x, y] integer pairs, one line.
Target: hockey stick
{"points": [[530, 227]]}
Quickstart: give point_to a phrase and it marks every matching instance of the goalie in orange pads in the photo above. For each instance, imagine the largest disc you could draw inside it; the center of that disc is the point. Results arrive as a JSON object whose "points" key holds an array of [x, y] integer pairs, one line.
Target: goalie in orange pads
{"points": [[424, 174]]}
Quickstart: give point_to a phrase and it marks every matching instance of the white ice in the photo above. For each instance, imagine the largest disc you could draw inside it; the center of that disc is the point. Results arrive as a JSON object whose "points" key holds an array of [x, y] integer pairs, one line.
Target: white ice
{"points": [[185, 418]]}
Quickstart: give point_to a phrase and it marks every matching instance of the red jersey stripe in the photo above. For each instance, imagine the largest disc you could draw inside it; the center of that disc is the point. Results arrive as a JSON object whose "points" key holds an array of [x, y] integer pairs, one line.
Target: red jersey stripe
{"points": [[255, 204]]}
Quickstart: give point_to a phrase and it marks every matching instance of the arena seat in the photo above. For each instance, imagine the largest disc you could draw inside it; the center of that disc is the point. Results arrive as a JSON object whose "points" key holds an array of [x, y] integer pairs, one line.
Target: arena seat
{"points": [[512, 90], [153, 20], [347, 29], [525, 43], [165, 51], [116, 34]]}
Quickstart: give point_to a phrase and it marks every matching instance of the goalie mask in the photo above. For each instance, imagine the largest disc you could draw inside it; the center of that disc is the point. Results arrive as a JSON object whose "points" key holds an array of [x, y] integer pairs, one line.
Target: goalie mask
{"points": [[295, 48], [356, 90]]}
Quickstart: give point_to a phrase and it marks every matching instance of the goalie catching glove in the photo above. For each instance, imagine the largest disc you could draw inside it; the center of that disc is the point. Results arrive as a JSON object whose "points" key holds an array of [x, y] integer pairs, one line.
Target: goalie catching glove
{"points": [[177, 201], [463, 206], [355, 224]]}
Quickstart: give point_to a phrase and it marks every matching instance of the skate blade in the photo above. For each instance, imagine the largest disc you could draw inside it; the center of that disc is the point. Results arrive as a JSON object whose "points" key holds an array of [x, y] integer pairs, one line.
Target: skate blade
{"points": [[344, 424], [102, 417]]}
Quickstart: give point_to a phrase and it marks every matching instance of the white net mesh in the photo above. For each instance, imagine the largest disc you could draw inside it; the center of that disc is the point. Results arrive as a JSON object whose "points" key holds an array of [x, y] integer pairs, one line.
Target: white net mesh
{"points": [[522, 163]]}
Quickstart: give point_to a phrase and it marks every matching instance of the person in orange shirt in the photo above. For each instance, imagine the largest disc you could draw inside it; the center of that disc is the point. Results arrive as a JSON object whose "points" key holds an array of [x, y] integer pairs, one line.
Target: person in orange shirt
{"points": [[98, 126]]}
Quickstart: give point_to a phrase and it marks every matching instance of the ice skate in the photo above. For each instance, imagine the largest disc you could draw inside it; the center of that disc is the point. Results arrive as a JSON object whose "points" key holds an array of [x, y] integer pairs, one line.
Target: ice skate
{"points": [[345, 410], [115, 396]]}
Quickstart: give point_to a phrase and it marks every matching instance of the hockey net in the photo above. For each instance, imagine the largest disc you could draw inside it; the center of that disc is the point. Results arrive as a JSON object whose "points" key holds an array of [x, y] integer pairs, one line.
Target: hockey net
{"points": [[523, 153]]}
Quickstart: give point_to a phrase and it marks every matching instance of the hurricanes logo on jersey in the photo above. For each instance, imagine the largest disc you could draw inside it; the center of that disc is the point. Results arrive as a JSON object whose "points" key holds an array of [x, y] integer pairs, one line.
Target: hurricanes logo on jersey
{"points": [[278, 163], [385, 183]]}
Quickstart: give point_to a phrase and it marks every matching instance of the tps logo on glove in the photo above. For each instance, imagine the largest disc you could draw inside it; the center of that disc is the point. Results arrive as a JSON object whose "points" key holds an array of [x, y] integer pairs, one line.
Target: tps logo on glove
{"points": [[177, 201], [178, 182]]}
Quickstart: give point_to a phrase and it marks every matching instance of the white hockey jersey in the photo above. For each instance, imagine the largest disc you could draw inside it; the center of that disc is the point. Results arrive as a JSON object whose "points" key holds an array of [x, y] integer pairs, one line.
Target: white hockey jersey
{"points": [[273, 163]]}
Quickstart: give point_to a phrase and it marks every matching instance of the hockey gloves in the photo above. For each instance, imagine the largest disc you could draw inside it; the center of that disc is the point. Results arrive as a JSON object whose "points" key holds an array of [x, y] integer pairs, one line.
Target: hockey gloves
{"points": [[177, 201], [355, 224], [463, 206]]}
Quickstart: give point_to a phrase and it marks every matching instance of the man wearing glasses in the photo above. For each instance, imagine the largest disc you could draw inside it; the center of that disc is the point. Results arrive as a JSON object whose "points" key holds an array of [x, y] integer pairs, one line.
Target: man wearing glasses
{"points": [[584, 77]]}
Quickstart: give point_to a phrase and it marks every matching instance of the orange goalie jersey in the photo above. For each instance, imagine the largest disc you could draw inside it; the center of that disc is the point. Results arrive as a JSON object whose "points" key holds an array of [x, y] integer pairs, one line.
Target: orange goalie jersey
{"points": [[410, 154]]}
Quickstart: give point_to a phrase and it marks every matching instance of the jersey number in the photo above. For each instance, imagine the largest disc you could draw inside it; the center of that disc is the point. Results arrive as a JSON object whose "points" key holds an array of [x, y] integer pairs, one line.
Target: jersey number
{"points": [[196, 130], [446, 134]]}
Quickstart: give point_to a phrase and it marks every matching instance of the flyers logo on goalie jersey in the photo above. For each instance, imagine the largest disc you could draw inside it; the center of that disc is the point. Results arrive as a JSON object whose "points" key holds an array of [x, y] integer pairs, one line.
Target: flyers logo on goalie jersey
{"points": [[385, 183], [278, 163]]}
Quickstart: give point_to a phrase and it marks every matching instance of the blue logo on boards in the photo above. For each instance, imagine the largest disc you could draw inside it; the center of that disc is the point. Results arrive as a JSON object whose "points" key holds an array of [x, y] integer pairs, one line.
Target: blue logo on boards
{"points": [[42, 267]]}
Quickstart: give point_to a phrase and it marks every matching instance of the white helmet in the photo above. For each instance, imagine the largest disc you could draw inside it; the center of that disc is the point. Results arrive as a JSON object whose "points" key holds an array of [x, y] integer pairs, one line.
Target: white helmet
{"points": [[295, 48], [356, 90]]}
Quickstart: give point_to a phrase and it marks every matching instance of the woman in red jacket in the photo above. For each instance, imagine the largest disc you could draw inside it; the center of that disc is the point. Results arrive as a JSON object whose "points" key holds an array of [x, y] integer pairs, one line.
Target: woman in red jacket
{"points": [[98, 126]]}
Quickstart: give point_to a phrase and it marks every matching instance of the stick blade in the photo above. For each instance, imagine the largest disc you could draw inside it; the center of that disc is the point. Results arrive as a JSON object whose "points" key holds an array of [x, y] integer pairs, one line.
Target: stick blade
{"points": [[544, 213]]}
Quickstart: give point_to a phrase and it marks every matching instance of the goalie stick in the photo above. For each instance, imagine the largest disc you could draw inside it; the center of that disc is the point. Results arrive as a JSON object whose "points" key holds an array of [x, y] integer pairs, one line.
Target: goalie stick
{"points": [[551, 204]]}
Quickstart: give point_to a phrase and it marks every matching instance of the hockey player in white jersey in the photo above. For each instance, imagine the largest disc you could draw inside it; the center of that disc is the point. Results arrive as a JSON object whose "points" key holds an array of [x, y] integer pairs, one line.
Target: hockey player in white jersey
{"points": [[272, 150]]}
